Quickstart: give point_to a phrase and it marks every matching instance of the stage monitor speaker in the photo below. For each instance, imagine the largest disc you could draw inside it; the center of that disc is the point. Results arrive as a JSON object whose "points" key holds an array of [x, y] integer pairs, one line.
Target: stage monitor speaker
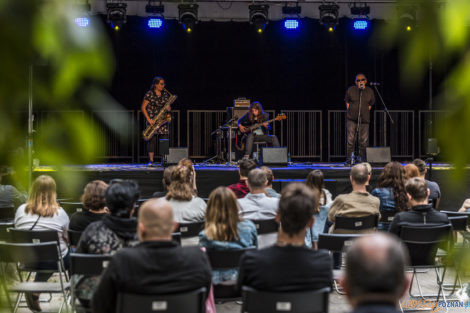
{"points": [[431, 148], [176, 154], [378, 154], [163, 146], [277, 155]]}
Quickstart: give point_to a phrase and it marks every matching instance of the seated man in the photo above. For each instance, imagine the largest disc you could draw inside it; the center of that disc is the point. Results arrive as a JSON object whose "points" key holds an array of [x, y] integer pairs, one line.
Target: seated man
{"points": [[357, 203], [375, 277], [289, 265], [421, 211], [254, 116], [257, 205], [156, 266], [244, 167], [10, 197], [269, 185], [434, 190]]}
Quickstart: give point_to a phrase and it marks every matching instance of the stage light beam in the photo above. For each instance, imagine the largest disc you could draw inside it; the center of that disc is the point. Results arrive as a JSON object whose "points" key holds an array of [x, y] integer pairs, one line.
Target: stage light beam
{"points": [[155, 23]]}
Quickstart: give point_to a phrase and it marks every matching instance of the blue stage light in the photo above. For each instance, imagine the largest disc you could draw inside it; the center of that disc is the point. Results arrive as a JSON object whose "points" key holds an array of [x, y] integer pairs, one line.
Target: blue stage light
{"points": [[155, 23], [291, 24], [361, 24], [82, 21]]}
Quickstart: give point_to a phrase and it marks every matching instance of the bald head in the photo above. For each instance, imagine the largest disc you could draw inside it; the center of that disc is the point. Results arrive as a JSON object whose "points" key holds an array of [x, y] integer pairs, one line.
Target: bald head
{"points": [[375, 269], [155, 220]]}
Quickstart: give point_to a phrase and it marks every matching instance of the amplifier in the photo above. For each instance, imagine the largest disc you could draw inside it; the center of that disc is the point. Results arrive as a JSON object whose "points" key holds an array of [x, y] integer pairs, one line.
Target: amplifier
{"points": [[236, 111], [241, 102]]}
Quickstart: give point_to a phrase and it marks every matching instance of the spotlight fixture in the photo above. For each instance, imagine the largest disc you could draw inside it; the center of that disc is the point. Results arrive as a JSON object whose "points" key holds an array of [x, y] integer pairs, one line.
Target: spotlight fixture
{"points": [[407, 17], [82, 18], [360, 16], [155, 20], [116, 14], [82, 22], [291, 16], [188, 16], [259, 16], [329, 16]]}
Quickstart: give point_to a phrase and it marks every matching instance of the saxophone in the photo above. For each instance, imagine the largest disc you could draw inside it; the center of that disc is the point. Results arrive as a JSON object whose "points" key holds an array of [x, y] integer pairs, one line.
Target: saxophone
{"points": [[161, 118]]}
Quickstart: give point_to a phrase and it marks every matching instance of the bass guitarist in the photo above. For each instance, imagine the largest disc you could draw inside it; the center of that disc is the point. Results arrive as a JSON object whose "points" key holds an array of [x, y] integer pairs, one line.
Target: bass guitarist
{"points": [[256, 115], [154, 101]]}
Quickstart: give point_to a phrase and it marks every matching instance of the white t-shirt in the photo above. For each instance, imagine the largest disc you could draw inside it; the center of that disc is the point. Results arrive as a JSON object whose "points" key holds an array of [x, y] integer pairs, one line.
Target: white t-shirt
{"points": [[58, 222], [189, 211]]}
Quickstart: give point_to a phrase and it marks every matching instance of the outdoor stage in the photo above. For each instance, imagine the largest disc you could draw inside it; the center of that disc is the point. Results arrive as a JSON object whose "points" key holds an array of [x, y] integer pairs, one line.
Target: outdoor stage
{"points": [[211, 176]]}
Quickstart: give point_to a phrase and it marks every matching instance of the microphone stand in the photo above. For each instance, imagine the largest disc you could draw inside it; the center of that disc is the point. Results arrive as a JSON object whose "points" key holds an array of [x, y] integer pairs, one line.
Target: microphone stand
{"points": [[219, 157], [383, 103], [358, 125]]}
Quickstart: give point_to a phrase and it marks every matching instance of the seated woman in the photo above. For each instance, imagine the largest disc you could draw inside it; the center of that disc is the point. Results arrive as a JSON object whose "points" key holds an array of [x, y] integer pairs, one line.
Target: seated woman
{"points": [[391, 190], [94, 205], [187, 208], [315, 180], [225, 230], [42, 212], [111, 233], [189, 164]]}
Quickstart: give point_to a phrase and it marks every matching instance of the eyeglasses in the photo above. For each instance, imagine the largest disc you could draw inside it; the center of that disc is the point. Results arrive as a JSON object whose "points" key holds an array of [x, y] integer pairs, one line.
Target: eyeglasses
{"points": [[361, 80]]}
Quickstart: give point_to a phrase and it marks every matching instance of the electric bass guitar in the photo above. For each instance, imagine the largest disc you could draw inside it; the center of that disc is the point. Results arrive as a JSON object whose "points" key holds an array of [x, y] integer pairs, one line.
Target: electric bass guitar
{"points": [[240, 137]]}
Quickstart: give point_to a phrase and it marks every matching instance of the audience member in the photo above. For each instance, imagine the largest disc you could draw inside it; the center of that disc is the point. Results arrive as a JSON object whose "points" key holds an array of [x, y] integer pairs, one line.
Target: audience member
{"points": [[241, 189], [411, 171], [94, 205], [112, 232], [357, 203], [187, 208], [391, 190], [42, 212], [289, 265], [435, 191], [375, 278], [157, 265], [166, 181], [465, 206], [269, 185], [315, 181], [189, 164], [421, 211], [225, 230], [256, 205], [10, 197], [369, 187]]}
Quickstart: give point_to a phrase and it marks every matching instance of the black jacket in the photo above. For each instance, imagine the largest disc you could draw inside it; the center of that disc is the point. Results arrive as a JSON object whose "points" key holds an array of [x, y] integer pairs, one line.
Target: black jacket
{"points": [[420, 214], [155, 267], [245, 121], [366, 97]]}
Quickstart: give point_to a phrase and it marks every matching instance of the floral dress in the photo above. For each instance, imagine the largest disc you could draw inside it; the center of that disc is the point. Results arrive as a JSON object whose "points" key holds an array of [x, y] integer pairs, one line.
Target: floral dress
{"points": [[154, 106]]}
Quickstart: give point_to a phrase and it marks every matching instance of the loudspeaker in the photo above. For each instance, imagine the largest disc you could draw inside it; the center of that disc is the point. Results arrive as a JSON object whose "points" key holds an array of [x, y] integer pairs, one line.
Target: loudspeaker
{"points": [[176, 154], [378, 154], [274, 155], [236, 111], [431, 148], [163, 146]]}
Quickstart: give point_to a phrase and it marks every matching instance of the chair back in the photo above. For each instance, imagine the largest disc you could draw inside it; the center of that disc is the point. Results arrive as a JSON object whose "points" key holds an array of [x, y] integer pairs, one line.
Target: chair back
{"points": [[190, 229], [357, 223], [423, 240], [7, 213], [88, 264], [458, 223], [5, 227], [74, 237], [454, 214], [387, 216], [336, 242], [255, 301], [176, 237], [266, 226], [71, 207], [29, 253], [225, 259], [187, 302], [33, 236]]}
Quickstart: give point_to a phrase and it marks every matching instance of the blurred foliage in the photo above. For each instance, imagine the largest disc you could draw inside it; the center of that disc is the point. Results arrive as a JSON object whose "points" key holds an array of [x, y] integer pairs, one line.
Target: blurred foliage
{"points": [[66, 60], [442, 34]]}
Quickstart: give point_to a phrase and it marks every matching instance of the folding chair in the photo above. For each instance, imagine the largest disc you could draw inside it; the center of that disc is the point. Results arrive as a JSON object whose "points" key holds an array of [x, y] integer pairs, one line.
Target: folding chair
{"points": [[74, 237], [32, 254], [386, 217], [311, 301], [422, 242], [188, 230], [7, 213], [187, 302], [5, 231], [266, 226], [176, 237], [71, 207], [86, 265], [356, 223], [336, 243], [225, 260]]}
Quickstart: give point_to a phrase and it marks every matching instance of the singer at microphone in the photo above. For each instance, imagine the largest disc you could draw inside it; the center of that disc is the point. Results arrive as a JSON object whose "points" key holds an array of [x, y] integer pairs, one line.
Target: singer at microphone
{"points": [[359, 100]]}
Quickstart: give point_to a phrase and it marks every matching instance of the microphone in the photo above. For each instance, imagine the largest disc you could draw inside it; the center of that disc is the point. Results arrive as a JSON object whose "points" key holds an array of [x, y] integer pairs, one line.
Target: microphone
{"points": [[374, 83], [361, 86]]}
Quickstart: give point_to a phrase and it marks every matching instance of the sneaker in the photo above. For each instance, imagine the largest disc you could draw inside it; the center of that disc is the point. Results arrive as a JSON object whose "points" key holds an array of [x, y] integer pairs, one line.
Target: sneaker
{"points": [[32, 300], [149, 163], [347, 163]]}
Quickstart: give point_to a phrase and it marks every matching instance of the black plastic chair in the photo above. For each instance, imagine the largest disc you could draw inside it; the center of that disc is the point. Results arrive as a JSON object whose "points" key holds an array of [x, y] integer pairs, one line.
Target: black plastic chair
{"points": [[74, 237], [86, 265], [7, 213], [187, 302], [188, 230], [33, 254], [386, 217], [459, 223], [176, 237], [5, 227], [266, 226], [256, 301], [71, 207], [356, 223]]}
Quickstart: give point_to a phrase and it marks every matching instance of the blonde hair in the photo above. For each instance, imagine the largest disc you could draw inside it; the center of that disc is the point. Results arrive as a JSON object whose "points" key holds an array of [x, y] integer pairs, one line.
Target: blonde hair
{"points": [[180, 188], [222, 215], [42, 198]]}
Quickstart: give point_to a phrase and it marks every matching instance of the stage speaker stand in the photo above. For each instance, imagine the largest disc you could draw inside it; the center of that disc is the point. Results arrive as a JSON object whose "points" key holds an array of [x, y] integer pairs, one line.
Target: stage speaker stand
{"points": [[274, 156], [379, 155], [175, 155]]}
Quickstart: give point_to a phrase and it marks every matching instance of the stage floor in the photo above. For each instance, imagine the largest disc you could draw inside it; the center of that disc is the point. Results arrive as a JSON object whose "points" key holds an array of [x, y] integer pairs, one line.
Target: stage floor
{"points": [[210, 176]]}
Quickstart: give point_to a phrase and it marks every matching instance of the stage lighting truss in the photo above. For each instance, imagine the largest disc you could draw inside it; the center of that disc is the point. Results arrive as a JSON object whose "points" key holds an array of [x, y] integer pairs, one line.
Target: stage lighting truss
{"points": [[291, 16], [116, 14], [407, 17], [360, 16], [188, 16], [155, 19], [259, 16], [329, 15]]}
